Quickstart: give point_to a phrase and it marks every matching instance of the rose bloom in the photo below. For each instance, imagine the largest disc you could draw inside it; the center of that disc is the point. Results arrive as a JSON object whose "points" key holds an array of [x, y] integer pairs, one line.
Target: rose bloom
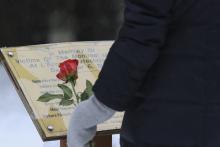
{"points": [[68, 69]]}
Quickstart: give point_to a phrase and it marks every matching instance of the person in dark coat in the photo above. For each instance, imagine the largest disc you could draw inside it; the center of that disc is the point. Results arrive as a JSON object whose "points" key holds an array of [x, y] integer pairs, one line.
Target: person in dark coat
{"points": [[164, 72]]}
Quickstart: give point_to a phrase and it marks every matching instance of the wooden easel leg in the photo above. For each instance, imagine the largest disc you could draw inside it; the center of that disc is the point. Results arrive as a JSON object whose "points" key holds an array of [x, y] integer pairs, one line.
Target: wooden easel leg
{"points": [[99, 141], [63, 143], [103, 141]]}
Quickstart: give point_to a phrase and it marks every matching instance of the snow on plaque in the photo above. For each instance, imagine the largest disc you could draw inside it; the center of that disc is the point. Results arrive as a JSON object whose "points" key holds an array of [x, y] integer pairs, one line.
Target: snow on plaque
{"points": [[47, 94]]}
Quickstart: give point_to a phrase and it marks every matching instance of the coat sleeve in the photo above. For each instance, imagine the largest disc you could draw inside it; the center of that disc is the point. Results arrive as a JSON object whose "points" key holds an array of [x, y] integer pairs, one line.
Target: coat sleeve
{"points": [[133, 53]]}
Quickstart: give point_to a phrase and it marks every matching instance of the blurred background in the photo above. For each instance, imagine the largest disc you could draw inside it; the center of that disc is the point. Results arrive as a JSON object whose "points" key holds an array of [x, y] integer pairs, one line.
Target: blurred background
{"points": [[28, 22]]}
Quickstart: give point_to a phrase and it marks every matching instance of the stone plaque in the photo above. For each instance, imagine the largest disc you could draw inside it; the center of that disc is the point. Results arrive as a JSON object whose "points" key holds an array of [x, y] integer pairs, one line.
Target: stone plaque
{"points": [[33, 70]]}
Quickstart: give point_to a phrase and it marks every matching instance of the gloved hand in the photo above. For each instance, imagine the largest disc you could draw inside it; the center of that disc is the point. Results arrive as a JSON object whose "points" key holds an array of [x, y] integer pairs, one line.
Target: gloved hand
{"points": [[82, 126]]}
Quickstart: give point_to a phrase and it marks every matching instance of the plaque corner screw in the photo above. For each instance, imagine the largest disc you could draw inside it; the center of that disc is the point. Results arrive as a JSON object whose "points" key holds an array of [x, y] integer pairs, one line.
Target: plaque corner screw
{"points": [[50, 128], [10, 54]]}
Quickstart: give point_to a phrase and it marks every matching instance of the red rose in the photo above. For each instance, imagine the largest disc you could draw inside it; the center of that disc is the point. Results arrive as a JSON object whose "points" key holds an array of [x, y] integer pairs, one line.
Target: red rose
{"points": [[68, 70]]}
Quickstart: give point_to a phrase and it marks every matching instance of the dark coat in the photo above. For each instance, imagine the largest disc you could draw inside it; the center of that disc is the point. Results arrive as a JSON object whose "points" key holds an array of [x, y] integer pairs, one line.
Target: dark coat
{"points": [[164, 71]]}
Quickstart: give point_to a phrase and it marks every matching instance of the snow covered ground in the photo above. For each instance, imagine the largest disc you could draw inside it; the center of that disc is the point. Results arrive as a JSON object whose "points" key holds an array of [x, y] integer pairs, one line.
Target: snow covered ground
{"points": [[16, 127]]}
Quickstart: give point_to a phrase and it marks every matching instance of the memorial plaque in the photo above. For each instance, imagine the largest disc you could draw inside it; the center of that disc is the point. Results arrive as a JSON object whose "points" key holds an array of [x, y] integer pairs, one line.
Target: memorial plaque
{"points": [[33, 70]]}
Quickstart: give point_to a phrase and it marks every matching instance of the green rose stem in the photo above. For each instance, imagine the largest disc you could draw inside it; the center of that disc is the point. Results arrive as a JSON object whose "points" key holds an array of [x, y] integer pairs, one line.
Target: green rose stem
{"points": [[73, 83]]}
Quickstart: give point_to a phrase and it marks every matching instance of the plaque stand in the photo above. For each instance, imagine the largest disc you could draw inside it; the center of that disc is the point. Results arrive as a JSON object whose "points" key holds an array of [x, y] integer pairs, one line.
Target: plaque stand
{"points": [[63, 143], [100, 141]]}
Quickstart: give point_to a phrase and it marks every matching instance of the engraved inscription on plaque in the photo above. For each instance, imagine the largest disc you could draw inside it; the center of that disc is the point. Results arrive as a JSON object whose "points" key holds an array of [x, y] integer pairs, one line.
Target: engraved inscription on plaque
{"points": [[33, 70]]}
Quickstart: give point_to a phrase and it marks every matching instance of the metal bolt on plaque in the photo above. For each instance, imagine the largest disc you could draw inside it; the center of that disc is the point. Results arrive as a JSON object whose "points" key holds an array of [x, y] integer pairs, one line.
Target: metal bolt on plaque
{"points": [[50, 128], [10, 54]]}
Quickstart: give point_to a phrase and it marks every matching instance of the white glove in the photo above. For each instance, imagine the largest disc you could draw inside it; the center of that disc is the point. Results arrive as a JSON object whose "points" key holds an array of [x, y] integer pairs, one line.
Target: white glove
{"points": [[87, 115]]}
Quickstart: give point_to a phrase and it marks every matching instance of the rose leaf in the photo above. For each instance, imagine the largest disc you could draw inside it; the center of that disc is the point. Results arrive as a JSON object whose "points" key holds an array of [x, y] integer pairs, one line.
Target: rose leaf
{"points": [[84, 96], [89, 88], [66, 91], [66, 102], [48, 97]]}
